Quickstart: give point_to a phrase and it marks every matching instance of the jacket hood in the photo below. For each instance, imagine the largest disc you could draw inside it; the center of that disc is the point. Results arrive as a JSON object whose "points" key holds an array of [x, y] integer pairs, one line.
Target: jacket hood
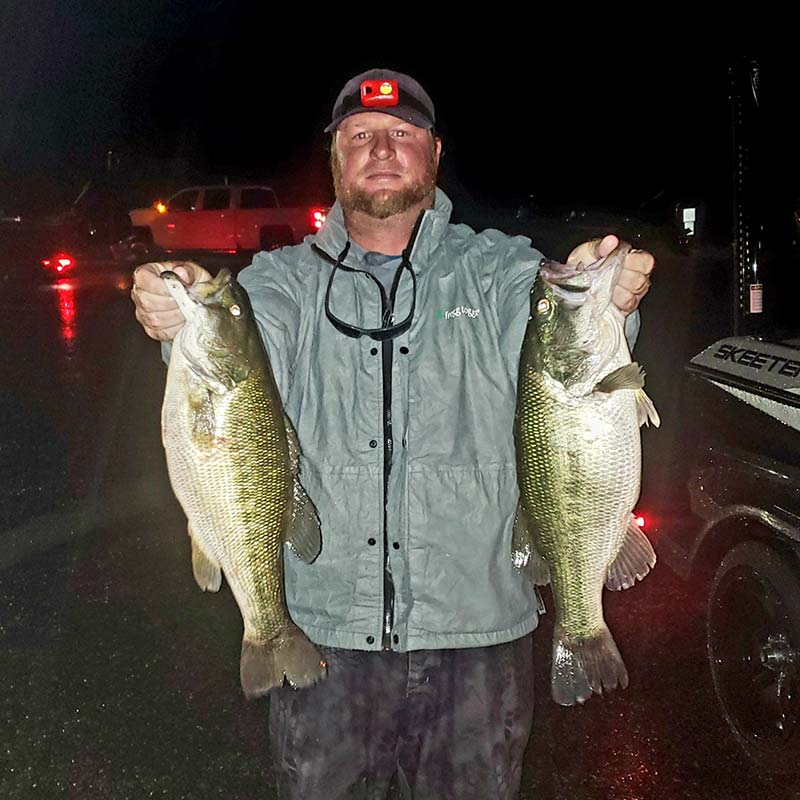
{"points": [[333, 235]]}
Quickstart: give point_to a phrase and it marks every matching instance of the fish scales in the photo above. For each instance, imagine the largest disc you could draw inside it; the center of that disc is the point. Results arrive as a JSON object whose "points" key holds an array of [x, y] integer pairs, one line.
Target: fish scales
{"points": [[231, 463], [233, 474], [565, 443], [579, 463]]}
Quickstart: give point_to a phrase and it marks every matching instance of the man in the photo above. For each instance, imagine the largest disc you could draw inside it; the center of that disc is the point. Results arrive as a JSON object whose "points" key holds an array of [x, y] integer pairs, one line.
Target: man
{"points": [[394, 337]]}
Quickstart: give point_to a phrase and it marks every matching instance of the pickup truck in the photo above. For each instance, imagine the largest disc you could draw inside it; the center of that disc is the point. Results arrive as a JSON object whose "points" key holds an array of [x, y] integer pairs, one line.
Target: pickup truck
{"points": [[230, 218]]}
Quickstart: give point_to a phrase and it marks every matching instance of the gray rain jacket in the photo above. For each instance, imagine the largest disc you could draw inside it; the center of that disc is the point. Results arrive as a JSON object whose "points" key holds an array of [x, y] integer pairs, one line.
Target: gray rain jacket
{"points": [[451, 382]]}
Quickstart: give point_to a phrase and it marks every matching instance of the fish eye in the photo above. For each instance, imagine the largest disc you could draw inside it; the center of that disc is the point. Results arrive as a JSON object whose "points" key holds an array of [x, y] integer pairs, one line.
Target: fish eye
{"points": [[235, 310], [543, 306]]}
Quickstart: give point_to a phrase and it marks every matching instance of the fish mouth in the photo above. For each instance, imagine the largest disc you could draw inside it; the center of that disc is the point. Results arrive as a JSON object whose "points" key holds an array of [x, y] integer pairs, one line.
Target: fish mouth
{"points": [[190, 296], [207, 359], [181, 293], [573, 281]]}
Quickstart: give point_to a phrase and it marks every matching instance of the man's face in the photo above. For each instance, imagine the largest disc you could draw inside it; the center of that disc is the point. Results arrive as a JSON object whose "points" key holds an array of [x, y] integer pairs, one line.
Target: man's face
{"points": [[381, 165]]}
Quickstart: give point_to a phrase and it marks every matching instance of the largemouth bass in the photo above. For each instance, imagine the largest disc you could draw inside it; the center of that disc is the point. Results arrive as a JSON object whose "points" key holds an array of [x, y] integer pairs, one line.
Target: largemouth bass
{"points": [[580, 404], [233, 462]]}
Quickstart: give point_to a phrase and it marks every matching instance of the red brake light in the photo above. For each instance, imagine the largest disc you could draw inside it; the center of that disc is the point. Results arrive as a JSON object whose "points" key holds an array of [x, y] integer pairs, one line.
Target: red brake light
{"points": [[60, 262], [641, 520], [318, 216]]}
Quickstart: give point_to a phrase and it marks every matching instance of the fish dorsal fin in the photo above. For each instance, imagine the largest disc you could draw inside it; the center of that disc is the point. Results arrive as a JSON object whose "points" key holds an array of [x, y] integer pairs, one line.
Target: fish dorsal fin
{"points": [[634, 560], [302, 532]]}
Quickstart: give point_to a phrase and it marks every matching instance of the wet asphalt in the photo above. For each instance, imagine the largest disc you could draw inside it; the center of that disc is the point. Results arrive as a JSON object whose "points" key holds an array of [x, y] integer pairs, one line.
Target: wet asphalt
{"points": [[120, 678]]}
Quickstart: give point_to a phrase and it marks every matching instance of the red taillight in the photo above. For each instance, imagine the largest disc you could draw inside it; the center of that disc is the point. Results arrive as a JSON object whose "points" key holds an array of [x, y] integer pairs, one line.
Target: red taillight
{"points": [[60, 262], [318, 216], [641, 520]]}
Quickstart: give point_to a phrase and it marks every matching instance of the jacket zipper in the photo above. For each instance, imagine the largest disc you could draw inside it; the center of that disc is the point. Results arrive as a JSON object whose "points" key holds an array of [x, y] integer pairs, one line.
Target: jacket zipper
{"points": [[387, 354]]}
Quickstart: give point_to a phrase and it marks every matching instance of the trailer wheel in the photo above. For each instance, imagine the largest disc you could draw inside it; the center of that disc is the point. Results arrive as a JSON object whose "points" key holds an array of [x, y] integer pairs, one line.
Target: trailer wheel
{"points": [[272, 237], [753, 642]]}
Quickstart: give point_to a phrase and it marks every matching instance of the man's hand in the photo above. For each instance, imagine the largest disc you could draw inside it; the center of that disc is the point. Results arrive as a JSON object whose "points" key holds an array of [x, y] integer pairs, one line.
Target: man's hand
{"points": [[634, 279], [157, 312]]}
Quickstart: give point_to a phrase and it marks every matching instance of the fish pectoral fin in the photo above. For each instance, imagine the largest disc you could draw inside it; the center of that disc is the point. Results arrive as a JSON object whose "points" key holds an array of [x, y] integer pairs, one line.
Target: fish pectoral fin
{"points": [[207, 572], [634, 560], [303, 532], [631, 376], [523, 550], [203, 417], [646, 410]]}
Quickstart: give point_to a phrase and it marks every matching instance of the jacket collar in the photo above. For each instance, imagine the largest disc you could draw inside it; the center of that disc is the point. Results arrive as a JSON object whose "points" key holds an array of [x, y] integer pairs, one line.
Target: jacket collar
{"points": [[332, 237]]}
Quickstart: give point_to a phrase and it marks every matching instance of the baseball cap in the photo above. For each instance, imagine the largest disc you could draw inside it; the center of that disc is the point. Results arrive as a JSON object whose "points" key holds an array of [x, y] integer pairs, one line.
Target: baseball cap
{"points": [[386, 91]]}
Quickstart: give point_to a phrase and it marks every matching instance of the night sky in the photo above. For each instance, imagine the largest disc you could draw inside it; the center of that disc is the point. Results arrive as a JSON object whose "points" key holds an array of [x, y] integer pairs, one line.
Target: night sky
{"points": [[203, 90]]}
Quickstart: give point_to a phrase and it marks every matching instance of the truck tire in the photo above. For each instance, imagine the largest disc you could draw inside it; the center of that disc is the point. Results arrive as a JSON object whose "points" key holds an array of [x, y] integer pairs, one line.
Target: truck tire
{"points": [[753, 643], [272, 237]]}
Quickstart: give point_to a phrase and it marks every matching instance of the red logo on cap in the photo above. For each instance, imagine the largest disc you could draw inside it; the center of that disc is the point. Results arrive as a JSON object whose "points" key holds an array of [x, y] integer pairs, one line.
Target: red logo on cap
{"points": [[379, 94]]}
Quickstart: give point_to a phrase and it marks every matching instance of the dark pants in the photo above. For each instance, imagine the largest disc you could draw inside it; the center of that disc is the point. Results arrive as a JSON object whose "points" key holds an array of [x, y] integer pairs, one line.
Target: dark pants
{"points": [[432, 724]]}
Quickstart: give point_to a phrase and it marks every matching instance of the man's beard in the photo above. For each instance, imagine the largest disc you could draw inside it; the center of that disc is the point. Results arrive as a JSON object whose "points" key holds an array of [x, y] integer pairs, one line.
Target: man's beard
{"points": [[383, 204]]}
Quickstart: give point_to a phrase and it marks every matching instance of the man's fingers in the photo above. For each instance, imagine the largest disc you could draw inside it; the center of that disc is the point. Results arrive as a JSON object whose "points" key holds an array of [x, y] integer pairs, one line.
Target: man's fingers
{"points": [[184, 275], [152, 302], [639, 261], [605, 245], [147, 277], [156, 309], [625, 300], [159, 319], [593, 250], [162, 334], [147, 280], [635, 282]]}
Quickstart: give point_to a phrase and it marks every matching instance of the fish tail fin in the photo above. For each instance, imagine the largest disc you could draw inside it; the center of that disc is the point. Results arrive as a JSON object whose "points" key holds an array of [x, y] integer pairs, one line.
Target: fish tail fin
{"points": [[585, 665], [264, 666]]}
